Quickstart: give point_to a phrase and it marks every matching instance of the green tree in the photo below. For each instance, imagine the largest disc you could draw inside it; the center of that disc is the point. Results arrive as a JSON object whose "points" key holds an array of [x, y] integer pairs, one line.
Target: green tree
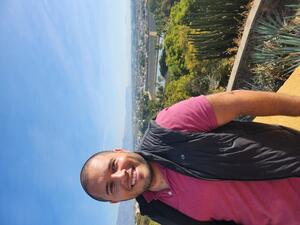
{"points": [[162, 63], [175, 44], [161, 11], [176, 90]]}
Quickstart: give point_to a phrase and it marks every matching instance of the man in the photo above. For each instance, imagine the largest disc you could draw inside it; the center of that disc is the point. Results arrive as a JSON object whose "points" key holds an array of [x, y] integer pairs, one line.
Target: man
{"points": [[195, 166]]}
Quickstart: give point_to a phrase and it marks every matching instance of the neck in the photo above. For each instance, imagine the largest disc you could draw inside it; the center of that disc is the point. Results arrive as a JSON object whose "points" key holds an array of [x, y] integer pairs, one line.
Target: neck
{"points": [[158, 182]]}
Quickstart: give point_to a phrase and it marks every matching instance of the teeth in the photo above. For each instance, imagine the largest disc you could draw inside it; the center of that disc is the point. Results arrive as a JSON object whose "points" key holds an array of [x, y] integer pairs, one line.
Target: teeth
{"points": [[133, 180]]}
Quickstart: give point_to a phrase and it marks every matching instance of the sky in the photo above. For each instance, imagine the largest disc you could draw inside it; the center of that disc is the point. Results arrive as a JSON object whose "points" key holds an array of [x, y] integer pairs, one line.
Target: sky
{"points": [[64, 69]]}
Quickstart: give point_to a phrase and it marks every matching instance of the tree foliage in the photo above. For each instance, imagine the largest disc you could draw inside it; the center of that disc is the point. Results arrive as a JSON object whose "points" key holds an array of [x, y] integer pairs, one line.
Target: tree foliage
{"points": [[161, 10], [176, 90], [175, 44], [196, 41], [162, 64]]}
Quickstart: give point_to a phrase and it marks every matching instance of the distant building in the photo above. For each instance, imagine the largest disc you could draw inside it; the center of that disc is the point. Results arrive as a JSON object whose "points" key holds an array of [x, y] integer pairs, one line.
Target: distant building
{"points": [[153, 42], [153, 33]]}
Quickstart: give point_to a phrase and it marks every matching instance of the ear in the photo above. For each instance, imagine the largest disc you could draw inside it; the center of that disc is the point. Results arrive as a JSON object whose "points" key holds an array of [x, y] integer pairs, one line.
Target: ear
{"points": [[119, 150]]}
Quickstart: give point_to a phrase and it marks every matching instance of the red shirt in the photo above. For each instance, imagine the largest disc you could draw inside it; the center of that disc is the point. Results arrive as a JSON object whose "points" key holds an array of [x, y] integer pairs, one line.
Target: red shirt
{"points": [[275, 202]]}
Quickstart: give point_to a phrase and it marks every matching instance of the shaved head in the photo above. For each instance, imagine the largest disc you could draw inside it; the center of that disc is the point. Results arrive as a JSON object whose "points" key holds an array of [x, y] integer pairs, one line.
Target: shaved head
{"points": [[84, 174]]}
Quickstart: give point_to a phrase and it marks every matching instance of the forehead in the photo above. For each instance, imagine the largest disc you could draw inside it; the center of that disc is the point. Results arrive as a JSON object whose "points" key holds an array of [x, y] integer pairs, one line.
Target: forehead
{"points": [[100, 162], [98, 173]]}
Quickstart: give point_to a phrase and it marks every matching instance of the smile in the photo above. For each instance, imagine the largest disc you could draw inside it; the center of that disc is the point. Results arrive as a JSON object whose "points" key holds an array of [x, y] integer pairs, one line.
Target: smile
{"points": [[133, 177]]}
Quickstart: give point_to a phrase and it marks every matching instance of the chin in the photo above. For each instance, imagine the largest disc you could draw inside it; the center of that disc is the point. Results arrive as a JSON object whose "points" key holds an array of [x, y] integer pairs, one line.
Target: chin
{"points": [[144, 174], [147, 178]]}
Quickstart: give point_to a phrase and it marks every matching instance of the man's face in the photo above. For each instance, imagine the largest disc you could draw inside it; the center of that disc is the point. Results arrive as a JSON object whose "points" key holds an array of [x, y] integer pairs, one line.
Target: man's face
{"points": [[118, 176]]}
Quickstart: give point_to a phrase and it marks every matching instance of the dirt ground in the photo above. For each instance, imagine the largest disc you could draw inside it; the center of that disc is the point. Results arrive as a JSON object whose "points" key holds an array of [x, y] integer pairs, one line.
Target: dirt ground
{"points": [[291, 87]]}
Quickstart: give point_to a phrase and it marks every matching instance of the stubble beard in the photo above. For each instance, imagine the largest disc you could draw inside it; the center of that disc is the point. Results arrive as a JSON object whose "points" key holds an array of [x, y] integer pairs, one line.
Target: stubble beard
{"points": [[148, 179]]}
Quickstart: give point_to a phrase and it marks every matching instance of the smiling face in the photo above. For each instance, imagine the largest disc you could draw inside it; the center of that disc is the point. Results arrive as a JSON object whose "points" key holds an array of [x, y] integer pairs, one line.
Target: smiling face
{"points": [[117, 176]]}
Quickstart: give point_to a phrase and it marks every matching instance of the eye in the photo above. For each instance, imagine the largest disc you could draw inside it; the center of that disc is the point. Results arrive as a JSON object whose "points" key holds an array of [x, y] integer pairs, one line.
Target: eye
{"points": [[111, 187], [114, 166]]}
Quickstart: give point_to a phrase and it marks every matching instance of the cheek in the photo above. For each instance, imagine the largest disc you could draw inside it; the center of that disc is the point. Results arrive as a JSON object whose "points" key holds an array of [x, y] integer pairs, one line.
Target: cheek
{"points": [[125, 195]]}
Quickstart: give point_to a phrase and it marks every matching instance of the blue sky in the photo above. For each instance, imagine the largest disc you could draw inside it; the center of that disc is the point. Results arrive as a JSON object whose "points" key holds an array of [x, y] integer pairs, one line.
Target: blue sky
{"points": [[64, 68]]}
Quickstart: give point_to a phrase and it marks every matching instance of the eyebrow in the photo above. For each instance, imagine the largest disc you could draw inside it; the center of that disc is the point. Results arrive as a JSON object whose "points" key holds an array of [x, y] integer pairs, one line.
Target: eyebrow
{"points": [[108, 169]]}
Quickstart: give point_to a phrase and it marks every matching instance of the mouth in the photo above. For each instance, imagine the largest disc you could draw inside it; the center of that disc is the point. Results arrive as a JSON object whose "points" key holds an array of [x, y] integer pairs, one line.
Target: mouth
{"points": [[133, 177]]}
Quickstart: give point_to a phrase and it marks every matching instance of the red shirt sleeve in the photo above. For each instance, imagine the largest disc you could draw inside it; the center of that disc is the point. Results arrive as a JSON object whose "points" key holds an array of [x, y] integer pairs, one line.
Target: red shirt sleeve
{"points": [[194, 114]]}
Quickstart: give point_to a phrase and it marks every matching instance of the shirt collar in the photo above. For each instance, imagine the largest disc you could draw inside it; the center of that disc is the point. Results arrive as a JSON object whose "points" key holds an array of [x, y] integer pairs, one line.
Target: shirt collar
{"points": [[154, 195]]}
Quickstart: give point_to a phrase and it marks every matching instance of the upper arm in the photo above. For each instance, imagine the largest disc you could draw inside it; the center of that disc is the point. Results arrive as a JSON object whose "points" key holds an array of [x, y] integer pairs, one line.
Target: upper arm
{"points": [[226, 105]]}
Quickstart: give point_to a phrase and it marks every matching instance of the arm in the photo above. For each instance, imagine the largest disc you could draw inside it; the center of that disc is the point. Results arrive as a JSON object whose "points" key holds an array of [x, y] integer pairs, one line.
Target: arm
{"points": [[229, 105]]}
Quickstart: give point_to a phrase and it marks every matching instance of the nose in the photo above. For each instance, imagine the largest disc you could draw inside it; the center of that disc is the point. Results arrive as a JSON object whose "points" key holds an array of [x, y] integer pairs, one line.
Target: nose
{"points": [[120, 177], [119, 174]]}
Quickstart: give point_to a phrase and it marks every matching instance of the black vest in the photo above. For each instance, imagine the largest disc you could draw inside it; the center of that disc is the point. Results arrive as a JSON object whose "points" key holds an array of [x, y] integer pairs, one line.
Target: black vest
{"points": [[237, 151]]}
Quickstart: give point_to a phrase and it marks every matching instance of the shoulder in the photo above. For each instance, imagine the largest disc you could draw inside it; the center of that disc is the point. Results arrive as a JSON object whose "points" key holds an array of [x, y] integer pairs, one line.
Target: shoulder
{"points": [[193, 114]]}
